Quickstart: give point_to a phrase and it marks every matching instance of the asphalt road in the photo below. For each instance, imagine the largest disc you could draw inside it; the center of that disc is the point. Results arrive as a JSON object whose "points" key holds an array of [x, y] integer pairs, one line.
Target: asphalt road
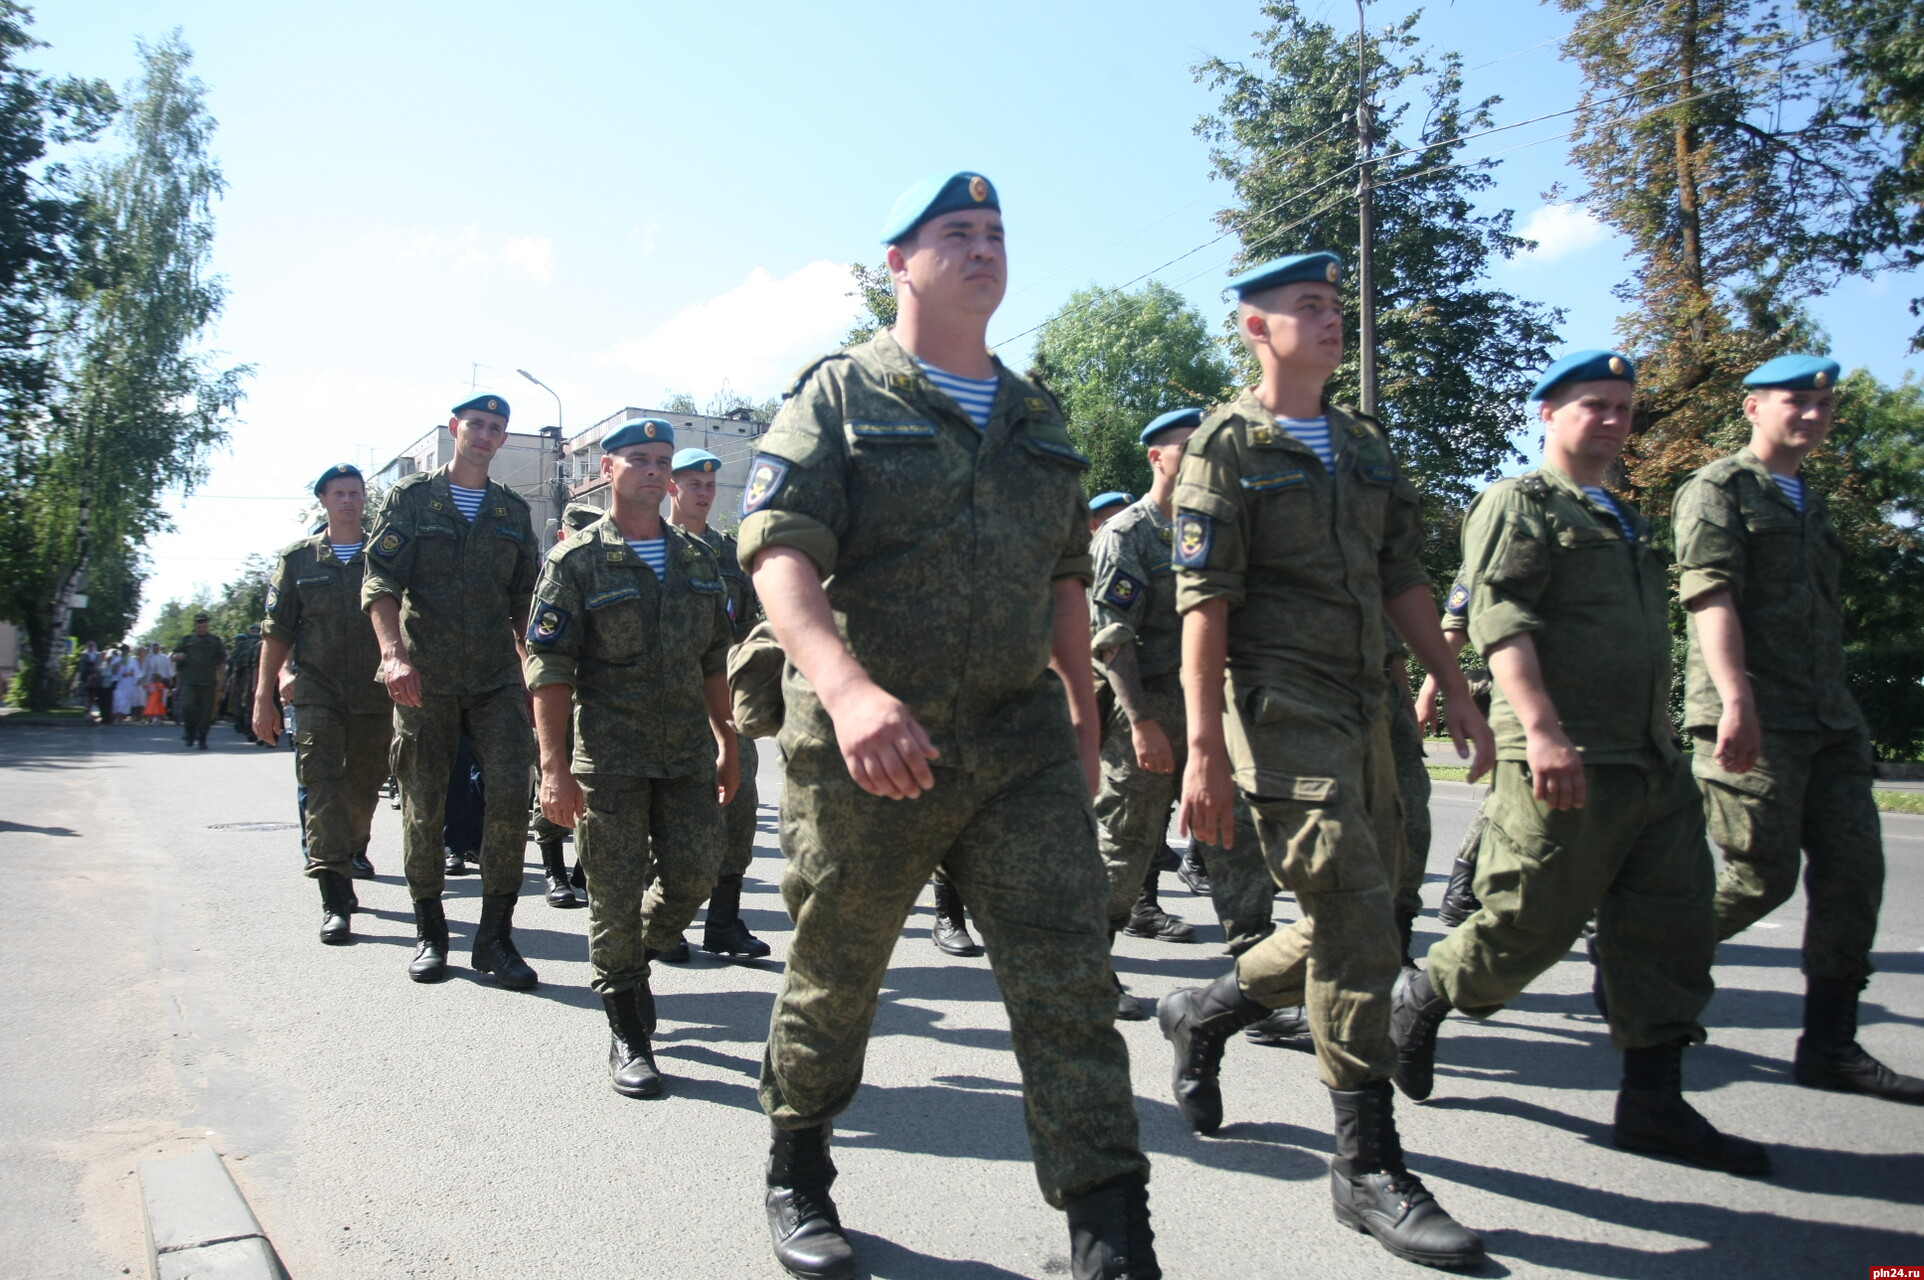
{"points": [[169, 990]]}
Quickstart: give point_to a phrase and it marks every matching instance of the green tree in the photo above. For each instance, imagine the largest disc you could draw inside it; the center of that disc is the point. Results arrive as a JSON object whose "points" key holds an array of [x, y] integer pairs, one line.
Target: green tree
{"points": [[1455, 356], [138, 407], [1117, 359], [876, 289]]}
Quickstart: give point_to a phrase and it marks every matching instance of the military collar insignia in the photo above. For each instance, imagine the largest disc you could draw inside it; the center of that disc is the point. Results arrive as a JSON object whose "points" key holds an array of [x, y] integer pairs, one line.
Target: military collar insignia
{"points": [[617, 555], [501, 511], [1035, 404], [435, 504]]}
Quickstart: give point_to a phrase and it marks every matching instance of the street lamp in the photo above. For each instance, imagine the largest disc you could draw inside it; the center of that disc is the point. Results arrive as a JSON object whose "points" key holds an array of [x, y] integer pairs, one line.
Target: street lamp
{"points": [[559, 490]]}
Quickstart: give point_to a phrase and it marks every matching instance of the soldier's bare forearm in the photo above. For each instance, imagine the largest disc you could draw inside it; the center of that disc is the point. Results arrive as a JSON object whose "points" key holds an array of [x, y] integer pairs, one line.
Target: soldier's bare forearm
{"points": [[1069, 659], [797, 606], [1413, 614], [274, 655], [1720, 634], [1205, 653], [553, 704], [385, 614], [1125, 678]]}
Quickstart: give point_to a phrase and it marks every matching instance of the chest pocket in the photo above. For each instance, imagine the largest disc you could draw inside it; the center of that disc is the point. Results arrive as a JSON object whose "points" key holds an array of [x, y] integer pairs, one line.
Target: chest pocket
{"points": [[316, 591], [1589, 566], [619, 620], [1775, 537], [1286, 507], [906, 476], [437, 552], [505, 551]]}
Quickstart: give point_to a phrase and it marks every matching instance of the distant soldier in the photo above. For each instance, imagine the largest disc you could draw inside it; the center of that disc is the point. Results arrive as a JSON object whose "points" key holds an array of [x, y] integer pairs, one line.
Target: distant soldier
{"points": [[691, 495], [1296, 534], [243, 664], [549, 835], [451, 565], [1783, 754], [629, 642], [345, 721], [200, 663], [1105, 507], [1592, 810], [917, 532]]}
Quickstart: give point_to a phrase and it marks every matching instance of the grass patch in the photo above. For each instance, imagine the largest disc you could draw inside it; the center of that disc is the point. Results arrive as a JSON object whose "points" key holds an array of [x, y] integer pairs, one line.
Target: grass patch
{"points": [[1449, 772], [1900, 801]]}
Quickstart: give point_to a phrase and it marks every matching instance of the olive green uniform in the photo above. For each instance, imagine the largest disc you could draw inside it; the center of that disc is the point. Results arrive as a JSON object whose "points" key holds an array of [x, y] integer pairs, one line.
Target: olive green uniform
{"points": [[197, 666], [635, 649], [1810, 790], [738, 848], [346, 722], [243, 668], [1545, 559], [1305, 557], [940, 545], [1133, 601], [1412, 779], [461, 587]]}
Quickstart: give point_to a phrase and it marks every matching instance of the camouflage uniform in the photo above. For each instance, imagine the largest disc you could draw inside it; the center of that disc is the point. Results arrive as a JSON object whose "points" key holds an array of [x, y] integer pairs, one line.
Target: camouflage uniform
{"points": [[1412, 785], [1547, 560], [635, 650], [940, 545], [243, 667], [1133, 601], [1305, 558], [460, 586], [197, 666], [1810, 791], [346, 722], [738, 849]]}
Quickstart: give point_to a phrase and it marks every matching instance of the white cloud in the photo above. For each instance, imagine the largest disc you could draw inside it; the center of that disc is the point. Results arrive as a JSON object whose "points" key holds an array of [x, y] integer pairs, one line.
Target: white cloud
{"points": [[645, 234], [1560, 230], [753, 337], [533, 256], [469, 252]]}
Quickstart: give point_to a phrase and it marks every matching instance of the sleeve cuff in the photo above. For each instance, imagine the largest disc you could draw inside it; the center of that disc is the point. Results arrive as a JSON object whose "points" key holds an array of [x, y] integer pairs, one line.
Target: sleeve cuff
{"points": [[1693, 584], [1406, 577], [810, 536], [1112, 637], [549, 668], [1498, 620], [1196, 587], [277, 631], [1082, 567], [714, 662]]}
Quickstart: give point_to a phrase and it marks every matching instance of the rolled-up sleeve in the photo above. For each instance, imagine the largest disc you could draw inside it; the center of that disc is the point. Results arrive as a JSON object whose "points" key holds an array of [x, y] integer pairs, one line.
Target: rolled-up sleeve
{"points": [[1506, 558], [1710, 543], [1120, 591], [390, 552], [555, 622], [1211, 539], [283, 618], [797, 490]]}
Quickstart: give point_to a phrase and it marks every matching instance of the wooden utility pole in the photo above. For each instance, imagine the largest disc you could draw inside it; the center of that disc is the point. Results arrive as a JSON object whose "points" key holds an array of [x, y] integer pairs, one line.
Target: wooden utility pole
{"points": [[1365, 259]]}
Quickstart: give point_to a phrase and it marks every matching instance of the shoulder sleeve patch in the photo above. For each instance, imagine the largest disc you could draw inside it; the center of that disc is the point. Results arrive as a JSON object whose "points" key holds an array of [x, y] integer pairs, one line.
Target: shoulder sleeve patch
{"points": [[549, 621], [1459, 602], [273, 596], [1193, 533], [389, 544], [1122, 591], [764, 482]]}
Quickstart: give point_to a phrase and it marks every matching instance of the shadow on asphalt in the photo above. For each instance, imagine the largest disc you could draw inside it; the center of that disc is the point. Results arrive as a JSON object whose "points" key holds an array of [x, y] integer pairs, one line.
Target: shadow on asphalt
{"points": [[880, 1259], [38, 831]]}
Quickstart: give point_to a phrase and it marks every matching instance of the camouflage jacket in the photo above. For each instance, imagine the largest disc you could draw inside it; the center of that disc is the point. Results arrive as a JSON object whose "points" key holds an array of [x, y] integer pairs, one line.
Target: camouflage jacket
{"points": [[1305, 558], [742, 603], [462, 587], [1133, 598], [634, 648], [940, 545], [1738, 532], [1542, 556], [198, 660], [314, 607]]}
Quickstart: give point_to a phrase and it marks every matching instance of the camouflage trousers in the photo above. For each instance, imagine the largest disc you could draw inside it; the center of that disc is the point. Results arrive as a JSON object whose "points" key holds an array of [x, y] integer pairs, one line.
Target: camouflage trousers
{"points": [[426, 740], [1413, 793], [1809, 794], [342, 760], [1019, 842], [650, 847], [1635, 856], [197, 703], [1132, 816], [1331, 831], [739, 818]]}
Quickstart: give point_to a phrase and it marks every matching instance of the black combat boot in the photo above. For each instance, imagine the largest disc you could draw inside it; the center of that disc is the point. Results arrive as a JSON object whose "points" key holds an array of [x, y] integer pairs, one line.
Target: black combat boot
{"points": [[951, 931], [1374, 1191], [801, 1218], [1416, 1011], [1166, 859], [455, 864], [1109, 1235], [723, 933], [1287, 1028], [1459, 896], [1828, 1055], [1653, 1118], [677, 954], [430, 962], [494, 949], [631, 1053], [560, 892], [1597, 997], [1196, 1022], [363, 869], [336, 909], [578, 878], [1193, 873], [1128, 1008], [1147, 919]]}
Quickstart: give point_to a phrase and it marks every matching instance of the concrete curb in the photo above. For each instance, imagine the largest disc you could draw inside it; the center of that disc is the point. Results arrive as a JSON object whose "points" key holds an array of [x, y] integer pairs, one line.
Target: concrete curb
{"points": [[198, 1224]]}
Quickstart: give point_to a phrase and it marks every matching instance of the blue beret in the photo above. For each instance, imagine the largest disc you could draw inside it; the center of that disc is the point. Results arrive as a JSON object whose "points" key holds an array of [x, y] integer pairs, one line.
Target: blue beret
{"points": [[487, 404], [1323, 268], [695, 460], [638, 431], [1114, 498], [1174, 420], [1794, 373], [339, 470], [942, 194], [1585, 366]]}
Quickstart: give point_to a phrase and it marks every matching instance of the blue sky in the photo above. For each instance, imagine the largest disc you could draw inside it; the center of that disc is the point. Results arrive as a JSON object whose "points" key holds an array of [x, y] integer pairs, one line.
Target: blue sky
{"points": [[632, 199]]}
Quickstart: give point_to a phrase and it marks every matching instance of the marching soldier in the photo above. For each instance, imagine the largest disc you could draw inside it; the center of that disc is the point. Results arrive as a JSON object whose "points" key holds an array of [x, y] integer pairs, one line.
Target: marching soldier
{"points": [[691, 495], [917, 533], [549, 836], [1296, 534], [1105, 507], [630, 632], [1592, 809], [199, 664], [1783, 755], [451, 565], [243, 664], [346, 721]]}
